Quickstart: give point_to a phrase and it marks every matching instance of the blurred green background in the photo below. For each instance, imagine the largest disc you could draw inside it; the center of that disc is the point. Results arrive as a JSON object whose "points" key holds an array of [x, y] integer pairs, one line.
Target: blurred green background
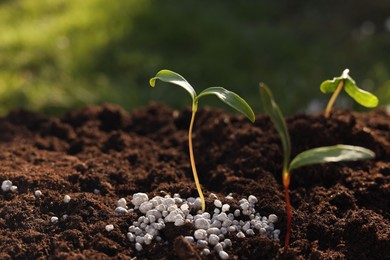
{"points": [[56, 55]]}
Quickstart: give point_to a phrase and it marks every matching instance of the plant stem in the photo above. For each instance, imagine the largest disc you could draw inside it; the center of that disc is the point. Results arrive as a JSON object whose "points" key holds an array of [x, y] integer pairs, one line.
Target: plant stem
{"points": [[286, 184], [193, 166], [333, 99]]}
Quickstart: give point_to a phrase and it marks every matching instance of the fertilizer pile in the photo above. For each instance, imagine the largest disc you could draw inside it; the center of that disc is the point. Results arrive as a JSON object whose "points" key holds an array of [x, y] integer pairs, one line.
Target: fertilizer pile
{"points": [[211, 231]]}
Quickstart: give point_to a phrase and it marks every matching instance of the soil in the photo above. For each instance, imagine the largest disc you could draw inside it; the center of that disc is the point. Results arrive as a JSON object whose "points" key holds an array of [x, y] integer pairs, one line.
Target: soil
{"points": [[340, 210]]}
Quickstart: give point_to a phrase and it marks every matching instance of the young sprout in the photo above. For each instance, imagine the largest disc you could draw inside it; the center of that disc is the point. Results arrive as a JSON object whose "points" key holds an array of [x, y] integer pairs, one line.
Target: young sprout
{"points": [[335, 85], [228, 97], [336, 153]]}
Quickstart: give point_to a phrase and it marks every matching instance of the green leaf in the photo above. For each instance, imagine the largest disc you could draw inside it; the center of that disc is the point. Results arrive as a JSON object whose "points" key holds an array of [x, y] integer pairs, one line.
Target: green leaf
{"points": [[174, 78], [231, 99], [274, 112], [329, 86], [336, 153], [361, 96]]}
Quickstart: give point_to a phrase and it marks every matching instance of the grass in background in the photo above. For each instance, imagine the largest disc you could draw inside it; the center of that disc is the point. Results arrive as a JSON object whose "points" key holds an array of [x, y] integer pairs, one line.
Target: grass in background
{"points": [[57, 55]]}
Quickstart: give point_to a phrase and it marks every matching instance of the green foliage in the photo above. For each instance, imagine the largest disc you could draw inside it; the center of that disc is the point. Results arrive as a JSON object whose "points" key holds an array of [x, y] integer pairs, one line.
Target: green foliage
{"points": [[335, 153], [274, 112], [361, 96], [228, 97]]}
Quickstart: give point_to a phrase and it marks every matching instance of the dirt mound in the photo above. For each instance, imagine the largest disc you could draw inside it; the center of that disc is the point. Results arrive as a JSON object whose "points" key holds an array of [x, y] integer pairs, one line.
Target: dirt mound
{"points": [[98, 155]]}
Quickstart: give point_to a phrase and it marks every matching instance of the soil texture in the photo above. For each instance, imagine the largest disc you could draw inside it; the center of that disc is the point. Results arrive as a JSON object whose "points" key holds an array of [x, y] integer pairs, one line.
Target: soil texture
{"points": [[100, 154]]}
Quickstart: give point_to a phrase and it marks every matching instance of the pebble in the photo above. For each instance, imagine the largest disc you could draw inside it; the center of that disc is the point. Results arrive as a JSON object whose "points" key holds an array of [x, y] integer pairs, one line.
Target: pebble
{"points": [[201, 223], [109, 227], [54, 219], [66, 198], [213, 239], [272, 218], [6, 185], [200, 234], [218, 203], [138, 246], [122, 203], [120, 211], [223, 255], [225, 207], [206, 251], [210, 231], [138, 199], [38, 193]]}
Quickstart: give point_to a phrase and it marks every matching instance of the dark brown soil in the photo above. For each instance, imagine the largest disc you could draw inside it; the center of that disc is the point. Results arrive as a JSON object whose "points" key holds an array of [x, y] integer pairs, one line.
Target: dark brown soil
{"points": [[340, 210]]}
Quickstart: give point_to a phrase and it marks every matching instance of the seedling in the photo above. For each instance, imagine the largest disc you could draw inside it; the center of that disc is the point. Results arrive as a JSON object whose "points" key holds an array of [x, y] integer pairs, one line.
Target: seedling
{"points": [[228, 97], [336, 153], [335, 85]]}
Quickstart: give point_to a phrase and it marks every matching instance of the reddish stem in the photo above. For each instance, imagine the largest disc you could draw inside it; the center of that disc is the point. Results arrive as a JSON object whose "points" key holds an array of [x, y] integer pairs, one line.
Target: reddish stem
{"points": [[288, 210]]}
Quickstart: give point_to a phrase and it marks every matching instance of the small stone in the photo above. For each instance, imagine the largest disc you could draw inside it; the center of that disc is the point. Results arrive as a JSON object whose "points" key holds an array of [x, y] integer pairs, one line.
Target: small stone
{"points": [[120, 211], [201, 243], [237, 213], [218, 247], [246, 226], [64, 217], [109, 227], [250, 232], [223, 255], [138, 246], [38, 193], [244, 206], [222, 217], [66, 199], [6, 185], [201, 223], [272, 218], [206, 251], [139, 198], [228, 242], [240, 234], [225, 207], [218, 203], [122, 203], [96, 191], [54, 219], [214, 230], [148, 239], [131, 236], [200, 234], [184, 207], [145, 206], [179, 222], [139, 239], [13, 188], [213, 239], [252, 199]]}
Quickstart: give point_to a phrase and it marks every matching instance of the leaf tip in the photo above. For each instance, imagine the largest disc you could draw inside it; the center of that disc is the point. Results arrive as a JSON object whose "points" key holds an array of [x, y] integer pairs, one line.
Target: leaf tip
{"points": [[152, 82]]}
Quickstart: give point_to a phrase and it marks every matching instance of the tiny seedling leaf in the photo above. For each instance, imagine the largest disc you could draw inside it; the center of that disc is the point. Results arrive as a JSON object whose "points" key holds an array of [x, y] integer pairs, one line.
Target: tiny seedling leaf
{"points": [[336, 153], [361, 96], [329, 86], [274, 112], [230, 98], [174, 78]]}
